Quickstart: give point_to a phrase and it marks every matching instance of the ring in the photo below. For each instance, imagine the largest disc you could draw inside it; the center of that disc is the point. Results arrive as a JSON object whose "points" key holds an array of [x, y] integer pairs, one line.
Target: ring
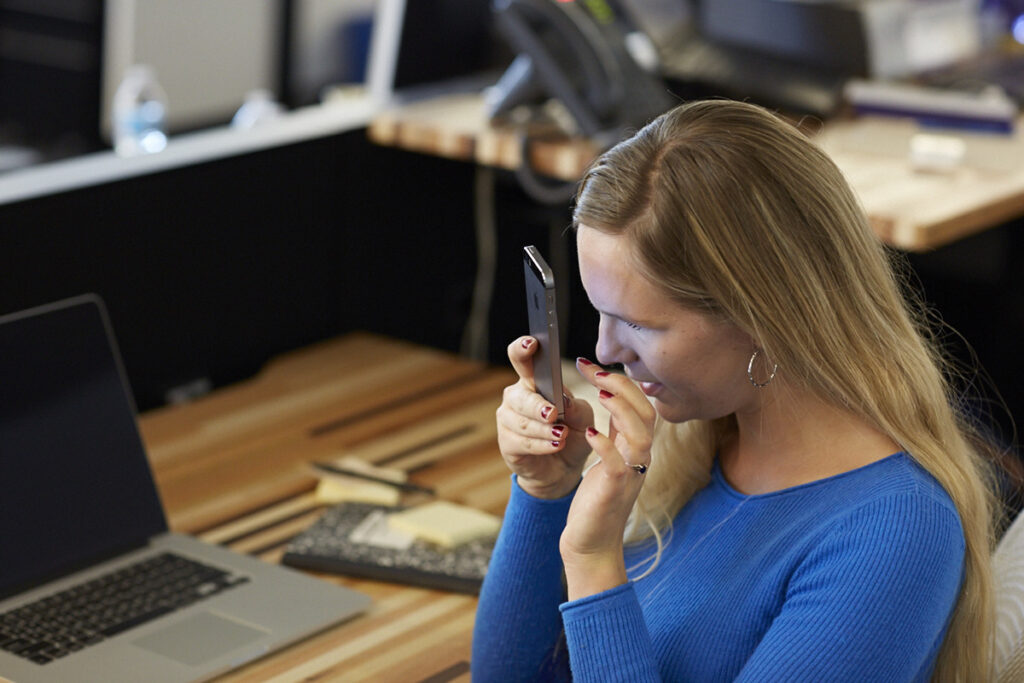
{"points": [[640, 469]]}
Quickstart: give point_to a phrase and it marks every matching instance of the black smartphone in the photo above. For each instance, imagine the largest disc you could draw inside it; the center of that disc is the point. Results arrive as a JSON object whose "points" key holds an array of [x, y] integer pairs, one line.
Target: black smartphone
{"points": [[540, 306]]}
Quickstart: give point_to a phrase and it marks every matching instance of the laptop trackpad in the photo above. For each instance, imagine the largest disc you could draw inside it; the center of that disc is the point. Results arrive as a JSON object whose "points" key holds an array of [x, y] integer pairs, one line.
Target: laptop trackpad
{"points": [[199, 638]]}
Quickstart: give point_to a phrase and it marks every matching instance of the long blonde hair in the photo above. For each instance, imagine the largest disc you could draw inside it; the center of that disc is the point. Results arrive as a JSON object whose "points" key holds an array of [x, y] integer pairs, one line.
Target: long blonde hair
{"points": [[734, 211]]}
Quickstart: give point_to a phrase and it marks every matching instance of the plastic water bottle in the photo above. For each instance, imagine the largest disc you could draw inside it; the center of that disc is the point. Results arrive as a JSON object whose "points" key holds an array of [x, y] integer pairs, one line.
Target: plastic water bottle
{"points": [[139, 113], [259, 107]]}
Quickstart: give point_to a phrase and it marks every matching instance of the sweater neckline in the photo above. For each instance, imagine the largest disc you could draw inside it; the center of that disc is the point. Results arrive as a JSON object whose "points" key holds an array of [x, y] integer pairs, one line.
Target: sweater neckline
{"points": [[719, 478]]}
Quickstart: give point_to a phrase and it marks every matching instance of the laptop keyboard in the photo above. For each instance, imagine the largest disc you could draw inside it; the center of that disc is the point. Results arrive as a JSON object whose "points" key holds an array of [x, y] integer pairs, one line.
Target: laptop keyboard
{"points": [[84, 615]]}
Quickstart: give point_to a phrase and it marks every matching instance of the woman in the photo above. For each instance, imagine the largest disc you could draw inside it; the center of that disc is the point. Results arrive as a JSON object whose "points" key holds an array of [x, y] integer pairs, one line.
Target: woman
{"points": [[786, 490]]}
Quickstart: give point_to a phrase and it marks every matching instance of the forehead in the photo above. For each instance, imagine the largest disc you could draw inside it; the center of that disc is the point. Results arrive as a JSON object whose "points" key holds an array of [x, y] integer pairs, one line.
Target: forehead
{"points": [[610, 275], [615, 287], [593, 239], [604, 253]]}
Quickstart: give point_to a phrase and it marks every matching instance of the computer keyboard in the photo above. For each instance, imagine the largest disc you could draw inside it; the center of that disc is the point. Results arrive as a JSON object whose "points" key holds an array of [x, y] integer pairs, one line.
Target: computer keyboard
{"points": [[75, 618]]}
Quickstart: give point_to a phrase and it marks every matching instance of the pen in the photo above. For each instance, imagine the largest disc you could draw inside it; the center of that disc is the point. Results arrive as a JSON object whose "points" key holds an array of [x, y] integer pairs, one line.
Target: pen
{"points": [[401, 485]]}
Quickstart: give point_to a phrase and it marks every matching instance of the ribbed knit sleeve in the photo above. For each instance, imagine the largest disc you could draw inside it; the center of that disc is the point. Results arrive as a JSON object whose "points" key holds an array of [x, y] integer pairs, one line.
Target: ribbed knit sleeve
{"points": [[608, 639], [518, 630], [871, 601]]}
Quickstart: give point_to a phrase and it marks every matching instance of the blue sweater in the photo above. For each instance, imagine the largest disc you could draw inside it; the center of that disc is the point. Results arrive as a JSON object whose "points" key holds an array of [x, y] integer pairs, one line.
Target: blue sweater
{"points": [[850, 578]]}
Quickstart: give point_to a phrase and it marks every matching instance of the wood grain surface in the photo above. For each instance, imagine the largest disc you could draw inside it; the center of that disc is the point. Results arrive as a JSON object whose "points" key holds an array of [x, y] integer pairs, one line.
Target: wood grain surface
{"points": [[233, 468], [909, 207]]}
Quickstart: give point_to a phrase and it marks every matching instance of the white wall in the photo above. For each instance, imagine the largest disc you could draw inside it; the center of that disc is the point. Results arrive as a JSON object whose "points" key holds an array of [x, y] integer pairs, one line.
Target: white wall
{"points": [[207, 53]]}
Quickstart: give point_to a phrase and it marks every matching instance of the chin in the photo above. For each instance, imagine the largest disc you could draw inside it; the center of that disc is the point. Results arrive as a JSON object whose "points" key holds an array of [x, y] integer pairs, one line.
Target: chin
{"points": [[671, 413]]}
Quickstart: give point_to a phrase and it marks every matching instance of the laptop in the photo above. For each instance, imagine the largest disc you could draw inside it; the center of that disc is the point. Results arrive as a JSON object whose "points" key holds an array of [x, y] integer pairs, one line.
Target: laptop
{"points": [[81, 525]]}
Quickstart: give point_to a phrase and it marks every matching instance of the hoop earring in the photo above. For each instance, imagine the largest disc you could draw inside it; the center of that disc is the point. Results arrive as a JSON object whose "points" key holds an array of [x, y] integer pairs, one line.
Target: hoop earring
{"points": [[750, 371]]}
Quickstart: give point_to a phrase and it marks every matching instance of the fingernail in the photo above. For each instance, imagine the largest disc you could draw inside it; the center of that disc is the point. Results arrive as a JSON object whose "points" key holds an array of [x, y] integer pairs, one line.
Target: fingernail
{"points": [[558, 431], [602, 373], [527, 343], [606, 394], [583, 361], [544, 412], [591, 431], [556, 444]]}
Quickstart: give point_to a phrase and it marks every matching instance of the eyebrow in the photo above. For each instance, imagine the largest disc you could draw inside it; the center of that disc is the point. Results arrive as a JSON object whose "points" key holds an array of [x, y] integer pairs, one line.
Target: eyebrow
{"points": [[617, 316]]}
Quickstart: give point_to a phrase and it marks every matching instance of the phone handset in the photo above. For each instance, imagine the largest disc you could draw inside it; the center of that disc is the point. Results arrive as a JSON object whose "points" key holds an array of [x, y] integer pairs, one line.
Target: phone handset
{"points": [[605, 86], [574, 51]]}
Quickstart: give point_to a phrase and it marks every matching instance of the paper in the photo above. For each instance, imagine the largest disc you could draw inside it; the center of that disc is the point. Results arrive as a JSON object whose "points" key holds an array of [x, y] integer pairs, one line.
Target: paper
{"points": [[374, 530], [444, 523], [334, 488]]}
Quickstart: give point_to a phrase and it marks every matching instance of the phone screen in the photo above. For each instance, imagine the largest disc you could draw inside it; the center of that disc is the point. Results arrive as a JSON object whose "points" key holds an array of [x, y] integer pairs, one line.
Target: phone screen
{"points": [[540, 305]]}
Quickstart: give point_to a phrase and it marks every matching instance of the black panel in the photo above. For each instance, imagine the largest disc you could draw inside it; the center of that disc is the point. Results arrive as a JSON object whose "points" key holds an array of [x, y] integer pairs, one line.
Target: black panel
{"points": [[50, 66], [210, 270]]}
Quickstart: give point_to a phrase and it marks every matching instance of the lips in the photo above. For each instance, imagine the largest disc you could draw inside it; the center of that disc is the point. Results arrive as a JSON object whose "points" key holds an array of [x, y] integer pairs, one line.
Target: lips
{"points": [[650, 388]]}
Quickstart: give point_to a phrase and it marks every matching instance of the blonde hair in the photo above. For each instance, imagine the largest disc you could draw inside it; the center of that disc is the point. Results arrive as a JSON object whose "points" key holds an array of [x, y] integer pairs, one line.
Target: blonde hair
{"points": [[733, 211]]}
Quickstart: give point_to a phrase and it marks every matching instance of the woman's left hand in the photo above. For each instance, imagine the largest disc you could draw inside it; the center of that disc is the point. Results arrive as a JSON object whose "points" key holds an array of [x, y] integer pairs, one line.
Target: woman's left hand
{"points": [[591, 544]]}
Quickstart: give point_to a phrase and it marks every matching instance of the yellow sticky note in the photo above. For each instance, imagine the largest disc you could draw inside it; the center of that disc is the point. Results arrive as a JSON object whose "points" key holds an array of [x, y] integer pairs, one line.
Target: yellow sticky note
{"points": [[340, 489], [444, 523]]}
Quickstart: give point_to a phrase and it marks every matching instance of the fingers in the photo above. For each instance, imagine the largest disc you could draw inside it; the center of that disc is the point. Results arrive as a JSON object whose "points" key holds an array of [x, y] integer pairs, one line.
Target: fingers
{"points": [[520, 354], [578, 414], [527, 424], [620, 386], [613, 462], [535, 427], [631, 426], [520, 403]]}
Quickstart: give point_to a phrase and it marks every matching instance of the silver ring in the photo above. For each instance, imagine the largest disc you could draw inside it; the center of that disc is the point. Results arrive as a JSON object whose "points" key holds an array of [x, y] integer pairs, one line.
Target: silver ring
{"points": [[639, 469]]}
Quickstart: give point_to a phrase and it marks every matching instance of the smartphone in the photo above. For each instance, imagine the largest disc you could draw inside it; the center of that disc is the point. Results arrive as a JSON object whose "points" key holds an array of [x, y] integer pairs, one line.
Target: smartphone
{"points": [[540, 306]]}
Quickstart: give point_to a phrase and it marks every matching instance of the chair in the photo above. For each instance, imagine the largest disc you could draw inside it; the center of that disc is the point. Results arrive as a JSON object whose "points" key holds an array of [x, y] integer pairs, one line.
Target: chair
{"points": [[1008, 569]]}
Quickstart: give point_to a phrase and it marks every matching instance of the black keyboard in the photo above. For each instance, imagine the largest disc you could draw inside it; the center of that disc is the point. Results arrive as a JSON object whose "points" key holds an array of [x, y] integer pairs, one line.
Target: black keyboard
{"points": [[84, 615]]}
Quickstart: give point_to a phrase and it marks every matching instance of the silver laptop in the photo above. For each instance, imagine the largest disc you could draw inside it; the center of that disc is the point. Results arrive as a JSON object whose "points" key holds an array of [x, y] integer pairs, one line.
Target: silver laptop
{"points": [[93, 587]]}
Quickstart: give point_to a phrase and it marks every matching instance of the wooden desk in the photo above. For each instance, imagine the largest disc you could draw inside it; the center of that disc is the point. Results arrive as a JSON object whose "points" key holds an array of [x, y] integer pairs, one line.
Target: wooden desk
{"points": [[232, 469], [910, 210]]}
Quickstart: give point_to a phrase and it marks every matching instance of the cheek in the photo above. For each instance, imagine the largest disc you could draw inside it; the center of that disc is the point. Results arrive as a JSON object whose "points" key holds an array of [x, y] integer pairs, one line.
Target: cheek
{"points": [[696, 376]]}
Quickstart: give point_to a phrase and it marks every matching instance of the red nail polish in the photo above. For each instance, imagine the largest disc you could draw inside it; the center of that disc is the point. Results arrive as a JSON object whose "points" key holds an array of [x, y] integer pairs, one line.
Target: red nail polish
{"points": [[556, 444], [591, 431], [544, 412], [558, 431], [527, 343], [583, 361], [602, 373], [606, 394]]}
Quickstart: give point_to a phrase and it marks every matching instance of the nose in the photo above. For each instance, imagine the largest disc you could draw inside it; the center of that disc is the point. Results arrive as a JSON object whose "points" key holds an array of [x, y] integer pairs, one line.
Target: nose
{"points": [[610, 349]]}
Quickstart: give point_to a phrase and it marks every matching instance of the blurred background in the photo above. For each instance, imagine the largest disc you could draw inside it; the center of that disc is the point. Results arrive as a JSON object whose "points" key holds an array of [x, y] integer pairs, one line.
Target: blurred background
{"points": [[252, 235]]}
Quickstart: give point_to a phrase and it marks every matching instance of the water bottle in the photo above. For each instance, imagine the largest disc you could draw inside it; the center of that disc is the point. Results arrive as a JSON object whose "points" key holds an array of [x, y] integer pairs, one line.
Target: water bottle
{"points": [[139, 113], [259, 107]]}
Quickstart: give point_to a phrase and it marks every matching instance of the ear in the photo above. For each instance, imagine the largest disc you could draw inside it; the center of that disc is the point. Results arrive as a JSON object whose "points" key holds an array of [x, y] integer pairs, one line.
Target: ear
{"points": [[745, 339]]}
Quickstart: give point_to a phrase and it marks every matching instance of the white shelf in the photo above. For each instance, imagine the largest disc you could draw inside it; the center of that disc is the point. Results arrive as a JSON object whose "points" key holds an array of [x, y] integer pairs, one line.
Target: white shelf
{"points": [[182, 150]]}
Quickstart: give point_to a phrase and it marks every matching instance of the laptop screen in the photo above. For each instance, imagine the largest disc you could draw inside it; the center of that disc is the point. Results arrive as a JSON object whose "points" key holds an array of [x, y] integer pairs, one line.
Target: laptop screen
{"points": [[76, 481]]}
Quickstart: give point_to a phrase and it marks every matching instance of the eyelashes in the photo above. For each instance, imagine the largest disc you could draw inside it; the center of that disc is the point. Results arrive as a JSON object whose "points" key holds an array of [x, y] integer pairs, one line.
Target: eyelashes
{"points": [[628, 323]]}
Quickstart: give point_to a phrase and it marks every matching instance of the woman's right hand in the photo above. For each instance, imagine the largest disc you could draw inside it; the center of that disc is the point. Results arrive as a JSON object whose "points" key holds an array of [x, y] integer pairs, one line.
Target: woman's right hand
{"points": [[546, 455]]}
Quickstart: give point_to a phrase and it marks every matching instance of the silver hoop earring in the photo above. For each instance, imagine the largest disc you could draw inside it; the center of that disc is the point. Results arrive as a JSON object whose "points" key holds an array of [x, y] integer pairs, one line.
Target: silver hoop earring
{"points": [[750, 372]]}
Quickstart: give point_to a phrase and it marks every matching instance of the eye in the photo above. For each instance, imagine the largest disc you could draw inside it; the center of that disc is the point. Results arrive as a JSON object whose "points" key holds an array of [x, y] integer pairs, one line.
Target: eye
{"points": [[632, 325]]}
